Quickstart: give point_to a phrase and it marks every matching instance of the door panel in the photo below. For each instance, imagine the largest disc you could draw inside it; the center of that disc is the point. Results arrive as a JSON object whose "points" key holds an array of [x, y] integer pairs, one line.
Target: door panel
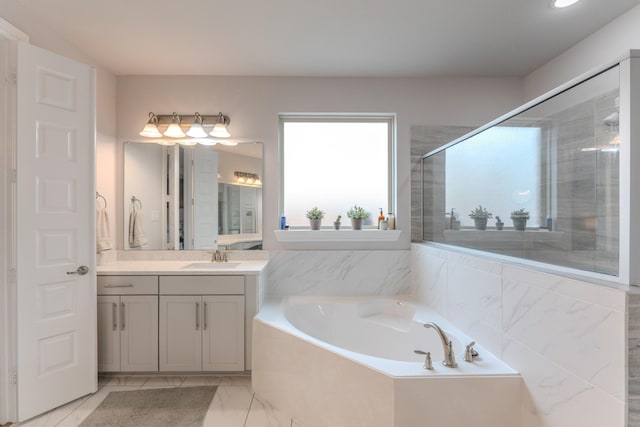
{"points": [[180, 333], [108, 334], [223, 333], [57, 359], [139, 333]]}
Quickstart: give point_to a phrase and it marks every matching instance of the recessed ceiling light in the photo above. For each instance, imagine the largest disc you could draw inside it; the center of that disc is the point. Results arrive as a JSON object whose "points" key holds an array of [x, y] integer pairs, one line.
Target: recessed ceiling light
{"points": [[563, 3]]}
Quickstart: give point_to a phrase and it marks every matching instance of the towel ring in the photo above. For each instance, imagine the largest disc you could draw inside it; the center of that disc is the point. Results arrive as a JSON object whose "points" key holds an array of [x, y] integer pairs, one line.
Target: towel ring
{"points": [[100, 196], [134, 200]]}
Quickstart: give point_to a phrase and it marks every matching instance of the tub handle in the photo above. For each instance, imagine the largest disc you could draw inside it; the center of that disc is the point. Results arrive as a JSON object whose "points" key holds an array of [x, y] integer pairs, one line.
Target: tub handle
{"points": [[427, 359], [469, 352]]}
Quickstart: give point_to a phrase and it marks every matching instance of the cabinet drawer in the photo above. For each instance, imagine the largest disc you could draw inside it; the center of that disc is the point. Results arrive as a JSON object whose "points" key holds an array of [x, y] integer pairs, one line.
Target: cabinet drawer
{"points": [[202, 285], [127, 285]]}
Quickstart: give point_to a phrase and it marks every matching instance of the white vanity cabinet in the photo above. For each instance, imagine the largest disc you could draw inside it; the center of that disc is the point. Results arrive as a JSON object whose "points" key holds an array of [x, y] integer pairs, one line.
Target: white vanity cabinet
{"points": [[127, 323], [202, 323]]}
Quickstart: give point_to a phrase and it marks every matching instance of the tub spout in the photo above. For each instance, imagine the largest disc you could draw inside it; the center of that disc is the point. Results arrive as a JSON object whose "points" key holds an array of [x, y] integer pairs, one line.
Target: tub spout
{"points": [[449, 357]]}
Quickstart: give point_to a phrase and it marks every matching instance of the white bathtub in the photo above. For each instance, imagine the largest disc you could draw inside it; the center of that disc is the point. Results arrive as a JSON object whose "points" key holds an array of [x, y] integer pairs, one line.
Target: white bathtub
{"points": [[336, 361]]}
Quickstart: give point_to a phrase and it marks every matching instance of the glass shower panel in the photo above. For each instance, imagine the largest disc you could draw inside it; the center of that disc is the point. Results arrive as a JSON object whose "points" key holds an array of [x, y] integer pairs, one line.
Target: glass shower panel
{"points": [[555, 164]]}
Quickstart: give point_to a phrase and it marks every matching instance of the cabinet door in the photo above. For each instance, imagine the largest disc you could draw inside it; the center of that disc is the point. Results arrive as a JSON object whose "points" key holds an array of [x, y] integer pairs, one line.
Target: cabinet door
{"points": [[108, 334], [180, 333], [139, 333], [223, 333]]}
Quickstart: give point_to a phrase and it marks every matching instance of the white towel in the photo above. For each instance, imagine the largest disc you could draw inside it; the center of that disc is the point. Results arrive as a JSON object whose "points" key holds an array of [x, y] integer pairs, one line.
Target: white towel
{"points": [[103, 234], [137, 236]]}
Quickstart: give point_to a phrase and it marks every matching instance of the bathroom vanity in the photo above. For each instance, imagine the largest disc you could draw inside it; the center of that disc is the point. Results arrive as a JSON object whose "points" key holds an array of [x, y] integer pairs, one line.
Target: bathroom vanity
{"points": [[177, 316]]}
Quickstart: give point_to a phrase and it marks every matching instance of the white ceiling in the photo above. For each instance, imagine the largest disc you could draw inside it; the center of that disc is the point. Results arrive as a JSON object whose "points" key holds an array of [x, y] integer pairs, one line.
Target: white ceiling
{"points": [[325, 37]]}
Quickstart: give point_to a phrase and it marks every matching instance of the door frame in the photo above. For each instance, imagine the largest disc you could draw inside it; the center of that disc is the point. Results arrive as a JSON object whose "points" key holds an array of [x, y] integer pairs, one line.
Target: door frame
{"points": [[8, 323]]}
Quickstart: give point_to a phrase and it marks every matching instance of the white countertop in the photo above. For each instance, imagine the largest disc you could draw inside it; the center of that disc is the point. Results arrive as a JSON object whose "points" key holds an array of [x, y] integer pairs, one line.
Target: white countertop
{"points": [[182, 267]]}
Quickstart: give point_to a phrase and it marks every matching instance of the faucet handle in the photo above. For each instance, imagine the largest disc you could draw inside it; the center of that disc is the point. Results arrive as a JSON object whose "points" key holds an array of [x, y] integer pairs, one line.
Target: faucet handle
{"points": [[427, 360], [469, 352]]}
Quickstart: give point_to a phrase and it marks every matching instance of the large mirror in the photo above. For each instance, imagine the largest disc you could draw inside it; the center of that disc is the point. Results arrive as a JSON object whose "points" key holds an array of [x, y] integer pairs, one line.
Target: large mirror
{"points": [[542, 184], [192, 197]]}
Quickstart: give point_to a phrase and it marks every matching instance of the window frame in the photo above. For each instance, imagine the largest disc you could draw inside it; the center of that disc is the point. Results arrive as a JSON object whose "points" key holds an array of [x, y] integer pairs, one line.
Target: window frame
{"points": [[389, 118]]}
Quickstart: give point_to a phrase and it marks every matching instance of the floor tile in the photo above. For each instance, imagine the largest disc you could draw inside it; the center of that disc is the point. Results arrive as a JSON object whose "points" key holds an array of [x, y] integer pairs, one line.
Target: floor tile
{"points": [[201, 380], [229, 407], [127, 380], [163, 382]]}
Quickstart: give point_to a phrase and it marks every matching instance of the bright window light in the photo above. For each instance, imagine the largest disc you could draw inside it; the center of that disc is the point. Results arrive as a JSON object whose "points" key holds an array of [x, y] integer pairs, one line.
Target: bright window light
{"points": [[336, 163]]}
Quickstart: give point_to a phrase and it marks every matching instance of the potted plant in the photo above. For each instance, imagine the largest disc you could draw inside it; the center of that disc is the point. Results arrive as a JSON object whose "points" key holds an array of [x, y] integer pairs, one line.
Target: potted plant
{"points": [[519, 218], [499, 223], [480, 216], [357, 215], [336, 223], [315, 216]]}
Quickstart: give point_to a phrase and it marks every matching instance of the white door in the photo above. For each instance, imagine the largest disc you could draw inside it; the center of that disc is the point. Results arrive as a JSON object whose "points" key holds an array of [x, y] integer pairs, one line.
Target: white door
{"points": [[223, 333], [180, 333], [205, 200], [139, 333], [108, 333], [56, 307]]}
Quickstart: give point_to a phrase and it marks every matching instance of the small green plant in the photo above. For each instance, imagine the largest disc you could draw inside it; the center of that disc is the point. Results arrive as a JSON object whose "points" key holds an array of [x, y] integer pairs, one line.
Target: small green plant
{"points": [[480, 213], [315, 213], [498, 220], [520, 213], [338, 218], [357, 212]]}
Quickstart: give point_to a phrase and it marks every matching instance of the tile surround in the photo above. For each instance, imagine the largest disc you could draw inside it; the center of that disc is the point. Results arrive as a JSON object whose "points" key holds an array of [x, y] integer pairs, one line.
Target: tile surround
{"points": [[566, 337]]}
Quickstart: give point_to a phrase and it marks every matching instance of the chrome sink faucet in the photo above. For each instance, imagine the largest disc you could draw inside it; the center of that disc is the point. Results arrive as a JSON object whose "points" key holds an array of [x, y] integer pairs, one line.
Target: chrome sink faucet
{"points": [[218, 256], [449, 357]]}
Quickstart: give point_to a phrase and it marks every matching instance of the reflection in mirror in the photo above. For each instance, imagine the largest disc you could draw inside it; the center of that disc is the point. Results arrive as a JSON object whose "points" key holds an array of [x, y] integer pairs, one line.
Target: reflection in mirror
{"points": [[551, 175], [192, 197]]}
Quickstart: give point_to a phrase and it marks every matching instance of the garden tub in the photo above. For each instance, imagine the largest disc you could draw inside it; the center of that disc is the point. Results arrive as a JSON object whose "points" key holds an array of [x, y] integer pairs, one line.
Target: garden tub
{"points": [[350, 361]]}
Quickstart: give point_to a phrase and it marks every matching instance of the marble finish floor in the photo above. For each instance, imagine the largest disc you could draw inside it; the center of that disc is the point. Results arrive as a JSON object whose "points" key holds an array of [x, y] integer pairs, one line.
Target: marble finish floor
{"points": [[233, 405]]}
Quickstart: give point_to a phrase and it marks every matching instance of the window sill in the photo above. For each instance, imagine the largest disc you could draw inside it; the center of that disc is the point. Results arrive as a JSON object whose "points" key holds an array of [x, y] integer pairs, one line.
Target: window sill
{"points": [[337, 235]]}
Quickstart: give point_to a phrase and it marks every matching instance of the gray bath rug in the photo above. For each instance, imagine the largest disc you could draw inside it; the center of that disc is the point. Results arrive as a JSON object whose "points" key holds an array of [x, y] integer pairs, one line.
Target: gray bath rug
{"points": [[184, 407]]}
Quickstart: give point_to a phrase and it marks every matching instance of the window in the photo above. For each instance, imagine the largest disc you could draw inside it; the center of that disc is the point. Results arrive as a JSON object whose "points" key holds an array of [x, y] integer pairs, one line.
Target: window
{"points": [[335, 162]]}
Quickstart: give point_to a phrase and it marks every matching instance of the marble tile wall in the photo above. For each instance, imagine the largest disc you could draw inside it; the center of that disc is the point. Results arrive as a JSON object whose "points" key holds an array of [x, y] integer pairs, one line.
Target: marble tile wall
{"points": [[633, 357], [566, 337], [338, 273]]}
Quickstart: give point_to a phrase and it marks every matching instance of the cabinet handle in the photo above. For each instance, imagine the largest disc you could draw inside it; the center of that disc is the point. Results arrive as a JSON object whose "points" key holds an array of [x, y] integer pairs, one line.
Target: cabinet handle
{"points": [[205, 317], [197, 316], [122, 315], [114, 316], [128, 285]]}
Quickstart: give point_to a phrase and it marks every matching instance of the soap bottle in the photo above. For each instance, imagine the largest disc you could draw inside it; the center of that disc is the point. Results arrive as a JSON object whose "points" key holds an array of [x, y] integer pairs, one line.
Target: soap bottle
{"points": [[392, 221], [380, 218]]}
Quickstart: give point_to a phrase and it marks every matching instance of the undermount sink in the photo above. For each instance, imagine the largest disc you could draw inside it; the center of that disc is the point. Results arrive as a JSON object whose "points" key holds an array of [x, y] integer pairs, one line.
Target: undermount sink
{"points": [[211, 265]]}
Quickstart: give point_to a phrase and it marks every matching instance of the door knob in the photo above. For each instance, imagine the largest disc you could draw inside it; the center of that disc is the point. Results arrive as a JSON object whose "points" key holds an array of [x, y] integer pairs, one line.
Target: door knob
{"points": [[82, 270]]}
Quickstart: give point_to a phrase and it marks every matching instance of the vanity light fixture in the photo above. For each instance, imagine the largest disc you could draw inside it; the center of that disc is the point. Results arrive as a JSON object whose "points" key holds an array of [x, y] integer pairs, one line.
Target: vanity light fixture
{"points": [[174, 130], [563, 3], [220, 129], [151, 128], [196, 130], [204, 129], [247, 178]]}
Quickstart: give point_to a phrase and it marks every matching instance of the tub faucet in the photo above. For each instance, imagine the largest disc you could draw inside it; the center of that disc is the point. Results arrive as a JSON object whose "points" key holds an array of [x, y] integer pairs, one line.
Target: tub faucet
{"points": [[449, 357]]}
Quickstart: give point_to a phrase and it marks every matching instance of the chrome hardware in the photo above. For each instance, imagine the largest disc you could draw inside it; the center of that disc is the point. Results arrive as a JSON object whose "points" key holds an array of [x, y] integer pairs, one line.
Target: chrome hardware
{"points": [[427, 359], [81, 271], [114, 316], [205, 317], [128, 285], [122, 316], [218, 256], [449, 358], [197, 316], [469, 352]]}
